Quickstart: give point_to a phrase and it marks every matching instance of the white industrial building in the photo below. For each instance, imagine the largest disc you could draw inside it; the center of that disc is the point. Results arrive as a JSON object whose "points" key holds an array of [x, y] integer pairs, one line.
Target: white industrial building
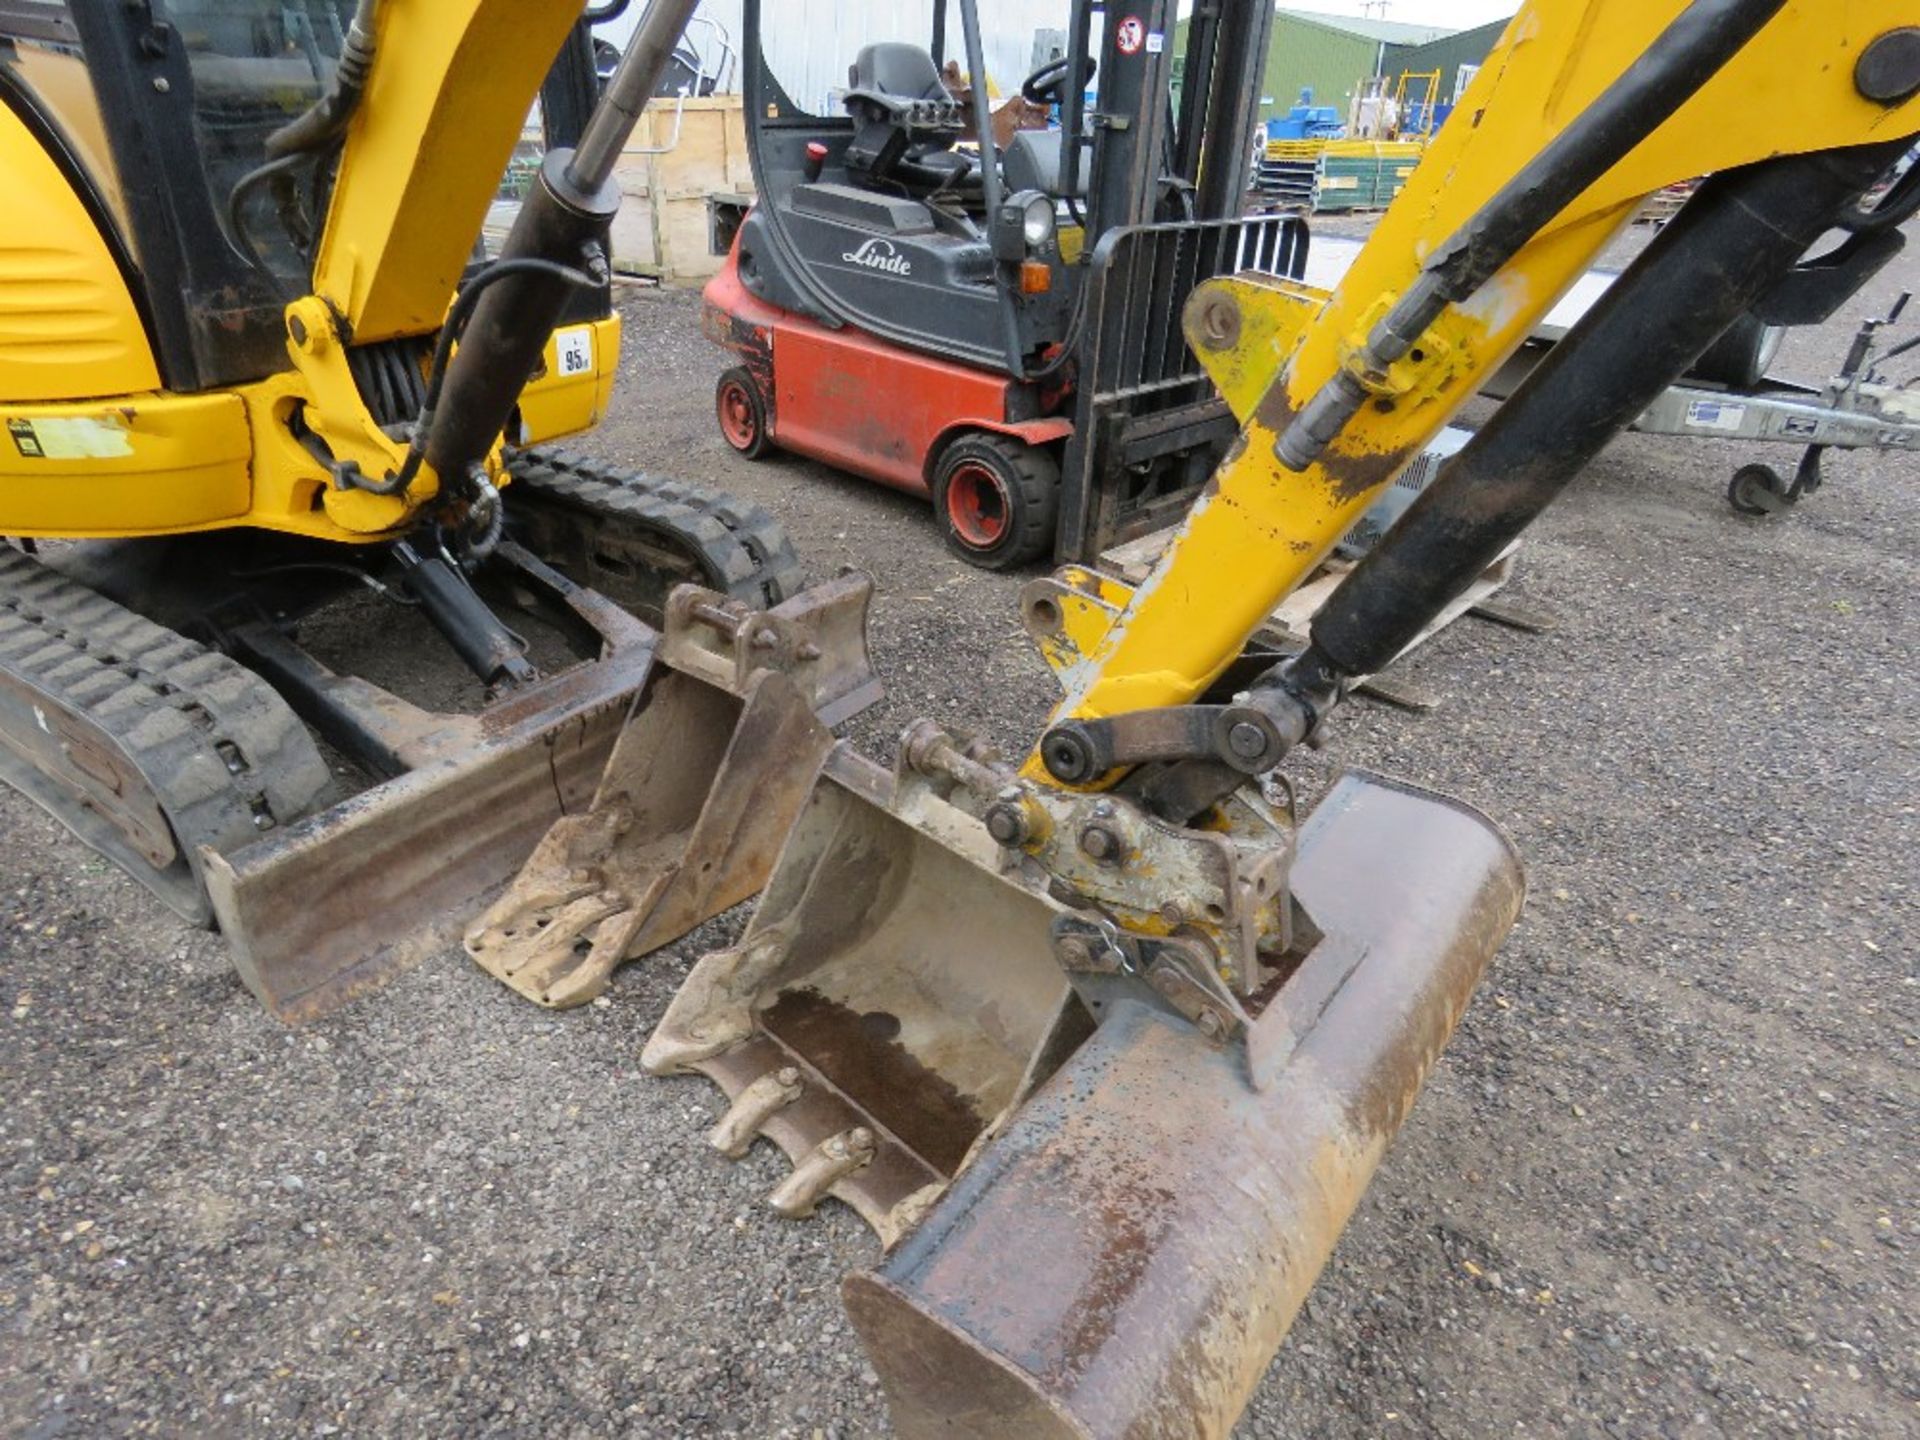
{"points": [[810, 43]]}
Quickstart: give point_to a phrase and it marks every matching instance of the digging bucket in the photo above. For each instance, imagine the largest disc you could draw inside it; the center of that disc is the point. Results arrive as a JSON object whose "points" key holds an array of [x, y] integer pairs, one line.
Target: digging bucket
{"points": [[1124, 1259], [704, 782], [893, 1000]]}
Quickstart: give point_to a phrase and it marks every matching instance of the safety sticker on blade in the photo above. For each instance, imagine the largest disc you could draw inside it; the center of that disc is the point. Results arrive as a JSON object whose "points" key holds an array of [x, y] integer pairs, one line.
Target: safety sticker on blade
{"points": [[1715, 415], [575, 350], [70, 437]]}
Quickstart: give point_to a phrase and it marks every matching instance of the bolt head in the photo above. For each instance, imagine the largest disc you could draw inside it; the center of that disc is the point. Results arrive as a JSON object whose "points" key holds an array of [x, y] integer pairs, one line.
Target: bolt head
{"points": [[1006, 824], [1075, 953], [1219, 321], [1888, 72], [1247, 740], [1100, 843], [1067, 759]]}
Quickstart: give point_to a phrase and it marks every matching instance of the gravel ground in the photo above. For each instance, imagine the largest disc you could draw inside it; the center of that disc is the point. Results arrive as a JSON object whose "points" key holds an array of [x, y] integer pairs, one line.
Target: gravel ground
{"points": [[1663, 1185]]}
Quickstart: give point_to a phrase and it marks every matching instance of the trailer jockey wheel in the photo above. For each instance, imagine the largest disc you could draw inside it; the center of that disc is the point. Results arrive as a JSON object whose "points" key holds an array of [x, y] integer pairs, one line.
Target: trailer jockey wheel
{"points": [[743, 413], [997, 500], [1759, 490]]}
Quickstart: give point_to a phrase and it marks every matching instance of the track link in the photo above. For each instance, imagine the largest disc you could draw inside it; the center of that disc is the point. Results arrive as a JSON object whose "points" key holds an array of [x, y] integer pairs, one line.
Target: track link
{"points": [[144, 743], [633, 537]]}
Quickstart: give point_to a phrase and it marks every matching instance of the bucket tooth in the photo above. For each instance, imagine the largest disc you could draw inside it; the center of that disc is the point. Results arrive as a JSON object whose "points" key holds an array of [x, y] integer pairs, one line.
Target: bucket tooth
{"points": [[752, 1108], [830, 1162], [711, 1013], [864, 969], [703, 784]]}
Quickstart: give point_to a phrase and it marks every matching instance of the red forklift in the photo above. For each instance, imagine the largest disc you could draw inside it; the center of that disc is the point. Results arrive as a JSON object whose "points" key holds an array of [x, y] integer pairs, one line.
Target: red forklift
{"points": [[997, 326]]}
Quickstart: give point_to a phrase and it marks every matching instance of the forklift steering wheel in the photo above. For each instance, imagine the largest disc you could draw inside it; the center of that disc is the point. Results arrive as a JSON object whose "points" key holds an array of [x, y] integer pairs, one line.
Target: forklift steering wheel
{"points": [[1042, 87]]}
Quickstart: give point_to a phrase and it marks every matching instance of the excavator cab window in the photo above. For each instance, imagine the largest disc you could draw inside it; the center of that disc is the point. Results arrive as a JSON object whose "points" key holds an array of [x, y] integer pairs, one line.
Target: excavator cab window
{"points": [[158, 112], [258, 64]]}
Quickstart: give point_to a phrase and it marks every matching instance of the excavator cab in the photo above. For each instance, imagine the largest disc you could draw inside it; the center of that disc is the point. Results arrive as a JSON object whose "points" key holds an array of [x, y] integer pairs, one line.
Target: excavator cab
{"points": [[144, 136]]}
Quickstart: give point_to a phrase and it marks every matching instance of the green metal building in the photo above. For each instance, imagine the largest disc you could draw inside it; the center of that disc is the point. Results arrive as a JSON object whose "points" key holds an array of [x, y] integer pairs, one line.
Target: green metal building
{"points": [[1335, 55], [1450, 55]]}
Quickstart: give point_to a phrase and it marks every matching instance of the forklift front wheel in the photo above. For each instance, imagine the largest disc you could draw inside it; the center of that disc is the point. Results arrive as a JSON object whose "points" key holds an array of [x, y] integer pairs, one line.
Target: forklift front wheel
{"points": [[1758, 490], [997, 500], [743, 413]]}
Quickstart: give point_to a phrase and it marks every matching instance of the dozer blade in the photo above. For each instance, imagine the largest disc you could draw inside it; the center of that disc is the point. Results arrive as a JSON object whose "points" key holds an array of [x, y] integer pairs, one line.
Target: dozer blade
{"points": [[893, 999], [701, 789], [341, 902], [1125, 1259], [336, 905]]}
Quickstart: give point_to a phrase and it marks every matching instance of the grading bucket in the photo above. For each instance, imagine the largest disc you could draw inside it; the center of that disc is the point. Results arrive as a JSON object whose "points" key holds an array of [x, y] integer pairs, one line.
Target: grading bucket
{"points": [[1126, 1257]]}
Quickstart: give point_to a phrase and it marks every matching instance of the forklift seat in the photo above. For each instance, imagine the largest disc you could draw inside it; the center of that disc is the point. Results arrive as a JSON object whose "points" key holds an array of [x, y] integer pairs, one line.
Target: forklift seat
{"points": [[1033, 161], [906, 122], [895, 75]]}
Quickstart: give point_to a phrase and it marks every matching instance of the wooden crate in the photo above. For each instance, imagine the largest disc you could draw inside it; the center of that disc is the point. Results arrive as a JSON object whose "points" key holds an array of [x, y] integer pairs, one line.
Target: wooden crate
{"points": [[662, 226]]}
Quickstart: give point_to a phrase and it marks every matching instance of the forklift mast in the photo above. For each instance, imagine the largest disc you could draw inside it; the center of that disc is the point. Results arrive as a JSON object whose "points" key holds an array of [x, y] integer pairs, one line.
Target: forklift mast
{"points": [[1157, 160]]}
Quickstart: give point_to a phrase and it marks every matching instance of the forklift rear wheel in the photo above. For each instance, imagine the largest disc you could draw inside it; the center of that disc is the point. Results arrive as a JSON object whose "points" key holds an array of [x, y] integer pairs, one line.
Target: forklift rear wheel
{"points": [[997, 500], [743, 413], [1758, 490]]}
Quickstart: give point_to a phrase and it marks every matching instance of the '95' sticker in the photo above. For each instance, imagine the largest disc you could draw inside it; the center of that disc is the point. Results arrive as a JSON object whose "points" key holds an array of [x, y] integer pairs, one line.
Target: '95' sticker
{"points": [[574, 349]]}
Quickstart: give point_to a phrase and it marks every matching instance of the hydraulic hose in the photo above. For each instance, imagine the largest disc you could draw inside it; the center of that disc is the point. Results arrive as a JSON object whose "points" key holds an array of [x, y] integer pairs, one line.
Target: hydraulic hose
{"points": [[560, 231], [450, 333], [1695, 48], [326, 119]]}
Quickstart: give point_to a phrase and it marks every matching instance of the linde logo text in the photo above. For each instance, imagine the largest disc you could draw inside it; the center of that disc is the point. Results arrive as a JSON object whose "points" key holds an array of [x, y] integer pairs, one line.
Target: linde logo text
{"points": [[879, 255]]}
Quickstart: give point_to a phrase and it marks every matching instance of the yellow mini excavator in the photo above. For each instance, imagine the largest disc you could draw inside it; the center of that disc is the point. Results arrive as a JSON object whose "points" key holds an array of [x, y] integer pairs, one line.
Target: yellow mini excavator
{"points": [[253, 357], [1106, 1044]]}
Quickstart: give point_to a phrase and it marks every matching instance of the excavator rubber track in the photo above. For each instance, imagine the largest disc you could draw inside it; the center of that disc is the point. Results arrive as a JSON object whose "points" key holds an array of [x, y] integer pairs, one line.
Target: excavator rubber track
{"points": [[633, 537], [147, 745]]}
